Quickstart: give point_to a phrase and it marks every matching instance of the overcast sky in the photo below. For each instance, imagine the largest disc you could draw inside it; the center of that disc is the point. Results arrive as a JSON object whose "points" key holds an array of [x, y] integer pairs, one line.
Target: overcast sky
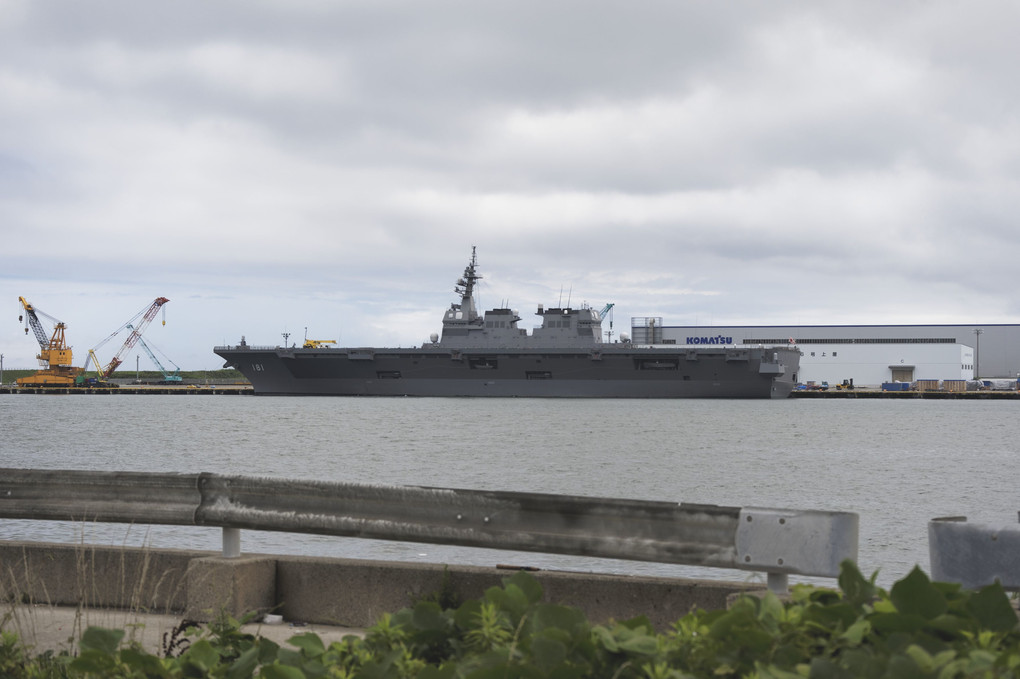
{"points": [[277, 165]]}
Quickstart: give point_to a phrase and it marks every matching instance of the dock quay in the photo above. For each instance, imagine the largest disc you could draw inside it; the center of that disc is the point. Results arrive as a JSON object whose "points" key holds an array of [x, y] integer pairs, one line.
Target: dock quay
{"points": [[139, 389], [247, 390], [983, 395]]}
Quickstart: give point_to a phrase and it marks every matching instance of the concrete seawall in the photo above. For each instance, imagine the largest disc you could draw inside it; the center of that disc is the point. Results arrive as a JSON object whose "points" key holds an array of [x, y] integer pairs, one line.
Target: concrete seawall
{"points": [[328, 591]]}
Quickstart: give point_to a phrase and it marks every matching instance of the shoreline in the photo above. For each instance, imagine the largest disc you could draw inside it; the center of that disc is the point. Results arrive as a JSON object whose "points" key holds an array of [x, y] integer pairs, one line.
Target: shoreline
{"points": [[247, 390]]}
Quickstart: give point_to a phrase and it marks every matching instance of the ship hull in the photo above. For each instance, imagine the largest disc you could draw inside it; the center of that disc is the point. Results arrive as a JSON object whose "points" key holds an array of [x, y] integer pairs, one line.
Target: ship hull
{"points": [[611, 372]]}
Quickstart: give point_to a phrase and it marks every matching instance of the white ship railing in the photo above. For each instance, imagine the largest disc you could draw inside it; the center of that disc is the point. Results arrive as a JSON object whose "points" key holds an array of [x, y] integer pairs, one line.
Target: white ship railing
{"points": [[778, 542]]}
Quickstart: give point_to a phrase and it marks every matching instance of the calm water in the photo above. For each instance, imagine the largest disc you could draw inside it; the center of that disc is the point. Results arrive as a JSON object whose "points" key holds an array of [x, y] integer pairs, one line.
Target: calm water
{"points": [[896, 463]]}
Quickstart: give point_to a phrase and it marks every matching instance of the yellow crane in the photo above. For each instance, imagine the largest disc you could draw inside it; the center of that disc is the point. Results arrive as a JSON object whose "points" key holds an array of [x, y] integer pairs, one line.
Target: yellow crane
{"points": [[315, 344], [53, 351]]}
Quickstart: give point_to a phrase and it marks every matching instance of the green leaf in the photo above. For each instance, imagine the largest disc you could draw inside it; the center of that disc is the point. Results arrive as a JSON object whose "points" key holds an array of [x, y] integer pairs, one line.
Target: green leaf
{"points": [[824, 668], [286, 656], [903, 667], [892, 623], [547, 653], [856, 589], [771, 610], [143, 663], [281, 672], [468, 614], [546, 616], [640, 645], [93, 661], [773, 672], [606, 638], [245, 664], [527, 584], [856, 632], [444, 672], [990, 606], [920, 656], [102, 640], [835, 616], [267, 650], [515, 601], [980, 661], [309, 643], [429, 615], [915, 595], [201, 655]]}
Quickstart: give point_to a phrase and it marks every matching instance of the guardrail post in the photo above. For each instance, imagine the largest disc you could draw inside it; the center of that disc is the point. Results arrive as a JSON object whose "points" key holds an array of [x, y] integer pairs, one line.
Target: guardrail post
{"points": [[231, 542], [779, 583]]}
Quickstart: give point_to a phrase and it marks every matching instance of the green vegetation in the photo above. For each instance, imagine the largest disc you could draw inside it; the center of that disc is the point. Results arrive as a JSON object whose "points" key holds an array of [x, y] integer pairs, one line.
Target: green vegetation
{"points": [[916, 629]]}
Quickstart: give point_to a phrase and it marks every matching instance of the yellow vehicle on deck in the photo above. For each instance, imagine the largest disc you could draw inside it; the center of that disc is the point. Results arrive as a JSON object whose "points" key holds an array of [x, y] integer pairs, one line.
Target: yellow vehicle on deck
{"points": [[316, 344]]}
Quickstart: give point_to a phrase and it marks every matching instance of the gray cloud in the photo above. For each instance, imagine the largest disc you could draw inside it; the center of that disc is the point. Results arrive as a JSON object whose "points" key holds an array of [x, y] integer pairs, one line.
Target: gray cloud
{"points": [[276, 165]]}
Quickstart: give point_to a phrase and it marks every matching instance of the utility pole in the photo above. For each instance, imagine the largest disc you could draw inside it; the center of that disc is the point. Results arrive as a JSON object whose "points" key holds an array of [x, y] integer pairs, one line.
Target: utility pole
{"points": [[1, 370], [977, 350]]}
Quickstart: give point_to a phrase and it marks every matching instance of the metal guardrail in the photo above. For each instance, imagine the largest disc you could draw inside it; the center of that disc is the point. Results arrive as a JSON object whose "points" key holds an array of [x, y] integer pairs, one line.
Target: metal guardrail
{"points": [[779, 542], [974, 554]]}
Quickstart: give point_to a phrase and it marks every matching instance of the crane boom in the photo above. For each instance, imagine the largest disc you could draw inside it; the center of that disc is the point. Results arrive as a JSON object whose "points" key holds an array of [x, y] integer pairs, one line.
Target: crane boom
{"points": [[136, 332], [33, 321], [602, 316], [168, 376]]}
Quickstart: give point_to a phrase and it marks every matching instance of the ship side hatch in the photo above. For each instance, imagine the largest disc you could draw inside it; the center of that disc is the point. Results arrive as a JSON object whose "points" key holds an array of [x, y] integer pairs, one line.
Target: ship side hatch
{"points": [[663, 363]]}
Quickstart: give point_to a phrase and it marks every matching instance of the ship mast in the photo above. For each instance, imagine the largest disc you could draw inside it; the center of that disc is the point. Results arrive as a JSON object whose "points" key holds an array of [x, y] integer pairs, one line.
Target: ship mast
{"points": [[466, 287]]}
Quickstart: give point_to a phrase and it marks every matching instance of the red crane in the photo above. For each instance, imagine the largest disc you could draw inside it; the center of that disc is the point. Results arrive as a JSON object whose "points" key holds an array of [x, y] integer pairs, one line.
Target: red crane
{"points": [[132, 339]]}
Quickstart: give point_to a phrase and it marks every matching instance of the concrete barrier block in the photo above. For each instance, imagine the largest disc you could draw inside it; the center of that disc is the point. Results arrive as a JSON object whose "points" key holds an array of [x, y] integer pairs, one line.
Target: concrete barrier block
{"points": [[318, 590], [354, 593], [232, 585], [621, 597], [150, 580]]}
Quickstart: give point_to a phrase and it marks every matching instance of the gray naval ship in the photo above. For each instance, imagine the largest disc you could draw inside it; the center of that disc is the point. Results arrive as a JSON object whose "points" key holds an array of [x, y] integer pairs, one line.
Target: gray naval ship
{"points": [[489, 355]]}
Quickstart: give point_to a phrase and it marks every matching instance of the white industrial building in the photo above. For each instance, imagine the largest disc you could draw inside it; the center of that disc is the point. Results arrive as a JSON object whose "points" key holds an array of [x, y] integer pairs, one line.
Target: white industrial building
{"points": [[874, 364], [869, 355]]}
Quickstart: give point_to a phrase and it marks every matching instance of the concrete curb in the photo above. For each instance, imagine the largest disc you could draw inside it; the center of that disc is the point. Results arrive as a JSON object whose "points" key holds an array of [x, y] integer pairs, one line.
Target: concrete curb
{"points": [[324, 591]]}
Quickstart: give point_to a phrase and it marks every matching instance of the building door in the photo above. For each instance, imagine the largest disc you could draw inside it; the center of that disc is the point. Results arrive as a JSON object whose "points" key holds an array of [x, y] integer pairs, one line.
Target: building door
{"points": [[905, 374]]}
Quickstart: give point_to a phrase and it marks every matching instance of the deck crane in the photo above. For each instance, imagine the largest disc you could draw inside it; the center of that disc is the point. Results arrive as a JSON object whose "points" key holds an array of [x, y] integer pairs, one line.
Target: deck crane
{"points": [[602, 316], [53, 351], [137, 327], [168, 376]]}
